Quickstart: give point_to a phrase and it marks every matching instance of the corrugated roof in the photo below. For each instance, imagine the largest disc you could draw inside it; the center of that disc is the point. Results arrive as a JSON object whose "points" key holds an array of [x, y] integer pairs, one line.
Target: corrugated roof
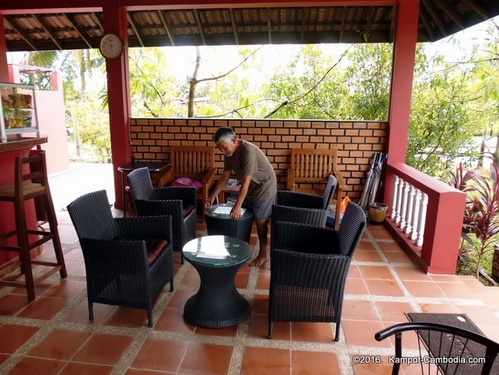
{"points": [[243, 26]]}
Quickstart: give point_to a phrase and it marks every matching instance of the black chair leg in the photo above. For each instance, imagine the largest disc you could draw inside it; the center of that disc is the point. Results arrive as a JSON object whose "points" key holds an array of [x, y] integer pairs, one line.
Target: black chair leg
{"points": [[271, 328], [90, 311]]}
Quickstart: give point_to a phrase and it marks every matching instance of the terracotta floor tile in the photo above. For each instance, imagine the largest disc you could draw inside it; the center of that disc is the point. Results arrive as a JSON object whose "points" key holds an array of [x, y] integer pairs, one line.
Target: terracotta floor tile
{"points": [[79, 314], [359, 310], [263, 281], [397, 257], [412, 273], [160, 355], [356, 286], [180, 297], [241, 280], [375, 272], [313, 332], [86, 368], [369, 368], [221, 332], [127, 317], [260, 304], [424, 289], [366, 256], [314, 363], [172, 320], [384, 288], [11, 304], [29, 365], [362, 333], [393, 311], [390, 247], [191, 278], [439, 308], [43, 308], [259, 361], [354, 272], [103, 349], [66, 289], [60, 344], [204, 363], [457, 290], [13, 336], [365, 245]]}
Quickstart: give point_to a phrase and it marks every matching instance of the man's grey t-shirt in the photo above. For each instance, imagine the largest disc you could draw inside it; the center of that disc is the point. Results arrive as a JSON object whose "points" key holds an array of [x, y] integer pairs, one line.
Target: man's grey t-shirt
{"points": [[250, 160]]}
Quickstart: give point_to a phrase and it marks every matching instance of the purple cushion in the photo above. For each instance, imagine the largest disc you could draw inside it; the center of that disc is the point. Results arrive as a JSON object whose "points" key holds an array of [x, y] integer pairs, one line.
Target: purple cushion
{"points": [[153, 247]]}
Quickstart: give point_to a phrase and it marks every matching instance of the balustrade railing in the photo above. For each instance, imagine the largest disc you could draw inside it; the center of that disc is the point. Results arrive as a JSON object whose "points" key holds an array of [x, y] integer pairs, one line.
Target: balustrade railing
{"points": [[426, 217]]}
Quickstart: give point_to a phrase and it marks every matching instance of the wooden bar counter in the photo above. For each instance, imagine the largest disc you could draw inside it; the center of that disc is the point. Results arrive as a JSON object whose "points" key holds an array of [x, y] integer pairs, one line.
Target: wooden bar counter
{"points": [[9, 150]]}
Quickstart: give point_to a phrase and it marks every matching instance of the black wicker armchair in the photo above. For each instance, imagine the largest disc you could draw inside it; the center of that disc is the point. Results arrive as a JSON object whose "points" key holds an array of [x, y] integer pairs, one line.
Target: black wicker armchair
{"points": [[128, 261], [443, 349], [179, 202], [310, 216], [309, 266], [305, 200]]}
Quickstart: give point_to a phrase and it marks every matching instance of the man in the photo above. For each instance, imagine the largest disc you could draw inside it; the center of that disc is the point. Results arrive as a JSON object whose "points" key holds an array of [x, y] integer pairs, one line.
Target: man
{"points": [[258, 183]]}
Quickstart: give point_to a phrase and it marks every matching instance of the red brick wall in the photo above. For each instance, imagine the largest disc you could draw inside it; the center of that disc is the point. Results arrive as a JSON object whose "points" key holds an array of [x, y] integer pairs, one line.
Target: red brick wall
{"points": [[356, 141]]}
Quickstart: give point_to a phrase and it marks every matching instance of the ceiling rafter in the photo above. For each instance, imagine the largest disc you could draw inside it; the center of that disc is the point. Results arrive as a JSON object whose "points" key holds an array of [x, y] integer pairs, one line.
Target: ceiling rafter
{"points": [[269, 25], [234, 25], [136, 29], [71, 19], [200, 26], [48, 29], [423, 14], [302, 23], [451, 12], [435, 14], [476, 8], [168, 32], [18, 29]]}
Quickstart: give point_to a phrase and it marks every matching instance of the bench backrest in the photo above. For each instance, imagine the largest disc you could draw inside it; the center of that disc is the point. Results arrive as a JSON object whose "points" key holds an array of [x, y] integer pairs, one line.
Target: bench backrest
{"points": [[313, 165], [192, 161]]}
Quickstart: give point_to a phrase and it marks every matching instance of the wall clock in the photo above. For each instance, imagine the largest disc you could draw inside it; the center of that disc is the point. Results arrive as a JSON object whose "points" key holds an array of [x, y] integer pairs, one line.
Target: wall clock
{"points": [[111, 46]]}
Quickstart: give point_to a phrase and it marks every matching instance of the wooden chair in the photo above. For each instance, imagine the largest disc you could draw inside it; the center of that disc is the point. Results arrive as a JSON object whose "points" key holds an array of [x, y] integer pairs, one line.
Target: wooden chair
{"points": [[31, 182], [197, 162], [309, 170]]}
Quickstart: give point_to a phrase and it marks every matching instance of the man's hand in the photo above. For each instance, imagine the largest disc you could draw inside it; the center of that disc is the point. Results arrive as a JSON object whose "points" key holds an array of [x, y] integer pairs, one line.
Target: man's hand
{"points": [[235, 213], [209, 202]]}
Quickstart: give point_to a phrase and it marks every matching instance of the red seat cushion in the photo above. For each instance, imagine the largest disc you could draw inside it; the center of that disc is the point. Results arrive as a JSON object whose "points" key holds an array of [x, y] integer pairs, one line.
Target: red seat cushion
{"points": [[153, 247]]}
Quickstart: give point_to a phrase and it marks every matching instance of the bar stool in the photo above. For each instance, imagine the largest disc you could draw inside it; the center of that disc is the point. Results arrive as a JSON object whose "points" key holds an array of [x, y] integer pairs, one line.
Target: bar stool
{"points": [[31, 183]]}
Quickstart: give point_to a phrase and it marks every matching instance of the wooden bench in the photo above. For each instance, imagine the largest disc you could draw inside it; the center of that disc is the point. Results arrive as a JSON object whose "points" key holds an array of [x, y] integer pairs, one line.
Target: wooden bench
{"points": [[308, 171], [197, 162]]}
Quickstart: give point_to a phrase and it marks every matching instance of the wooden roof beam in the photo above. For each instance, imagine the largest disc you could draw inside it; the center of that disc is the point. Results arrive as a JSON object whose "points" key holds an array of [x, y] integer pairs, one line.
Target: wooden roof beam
{"points": [[48, 30], [435, 14], [451, 12], [71, 19], [200, 26], [234, 25], [27, 38], [135, 28], [476, 8], [168, 32]]}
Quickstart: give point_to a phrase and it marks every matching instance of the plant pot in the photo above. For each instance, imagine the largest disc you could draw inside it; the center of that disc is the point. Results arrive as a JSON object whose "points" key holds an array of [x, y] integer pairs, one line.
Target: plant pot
{"points": [[377, 212]]}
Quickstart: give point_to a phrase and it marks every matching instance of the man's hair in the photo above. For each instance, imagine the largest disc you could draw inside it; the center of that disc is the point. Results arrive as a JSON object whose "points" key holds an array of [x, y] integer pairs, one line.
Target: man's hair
{"points": [[224, 134]]}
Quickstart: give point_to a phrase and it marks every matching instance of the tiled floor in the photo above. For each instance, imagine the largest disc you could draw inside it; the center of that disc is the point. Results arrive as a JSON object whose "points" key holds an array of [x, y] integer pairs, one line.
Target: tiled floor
{"points": [[52, 335]]}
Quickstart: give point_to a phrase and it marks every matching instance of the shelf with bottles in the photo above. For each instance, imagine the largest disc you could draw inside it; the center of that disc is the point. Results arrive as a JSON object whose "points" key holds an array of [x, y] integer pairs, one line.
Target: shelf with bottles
{"points": [[18, 114]]}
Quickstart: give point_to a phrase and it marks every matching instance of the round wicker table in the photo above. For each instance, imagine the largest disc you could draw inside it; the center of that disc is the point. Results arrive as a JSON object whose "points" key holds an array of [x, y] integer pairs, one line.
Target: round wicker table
{"points": [[217, 303], [223, 224]]}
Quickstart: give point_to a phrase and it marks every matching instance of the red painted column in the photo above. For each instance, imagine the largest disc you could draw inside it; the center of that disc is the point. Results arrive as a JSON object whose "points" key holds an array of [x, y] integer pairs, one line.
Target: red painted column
{"points": [[404, 51], [115, 21], [4, 70]]}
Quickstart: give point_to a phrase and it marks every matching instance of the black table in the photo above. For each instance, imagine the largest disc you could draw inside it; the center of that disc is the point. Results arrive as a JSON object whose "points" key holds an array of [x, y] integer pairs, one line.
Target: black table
{"points": [[154, 167], [223, 224], [217, 303]]}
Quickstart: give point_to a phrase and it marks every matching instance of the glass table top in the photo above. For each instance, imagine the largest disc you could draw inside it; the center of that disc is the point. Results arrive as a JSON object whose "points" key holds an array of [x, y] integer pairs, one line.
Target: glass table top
{"points": [[216, 251], [222, 211]]}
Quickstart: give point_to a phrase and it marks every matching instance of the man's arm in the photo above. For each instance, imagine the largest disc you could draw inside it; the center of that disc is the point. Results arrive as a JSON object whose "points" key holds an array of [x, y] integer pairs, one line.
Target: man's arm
{"points": [[236, 210], [224, 178]]}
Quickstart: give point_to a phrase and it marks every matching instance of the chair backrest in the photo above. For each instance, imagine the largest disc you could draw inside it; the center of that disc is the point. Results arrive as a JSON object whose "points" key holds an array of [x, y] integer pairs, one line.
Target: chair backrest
{"points": [[92, 217], [446, 341], [313, 165], [329, 190], [191, 161], [140, 184], [351, 228]]}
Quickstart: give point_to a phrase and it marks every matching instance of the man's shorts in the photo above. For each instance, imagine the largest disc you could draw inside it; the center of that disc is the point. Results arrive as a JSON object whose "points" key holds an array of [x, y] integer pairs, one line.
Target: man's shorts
{"points": [[261, 209]]}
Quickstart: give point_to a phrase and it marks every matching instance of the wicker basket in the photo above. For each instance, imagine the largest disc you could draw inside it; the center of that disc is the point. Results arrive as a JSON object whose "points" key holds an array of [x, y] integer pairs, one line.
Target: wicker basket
{"points": [[377, 212]]}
